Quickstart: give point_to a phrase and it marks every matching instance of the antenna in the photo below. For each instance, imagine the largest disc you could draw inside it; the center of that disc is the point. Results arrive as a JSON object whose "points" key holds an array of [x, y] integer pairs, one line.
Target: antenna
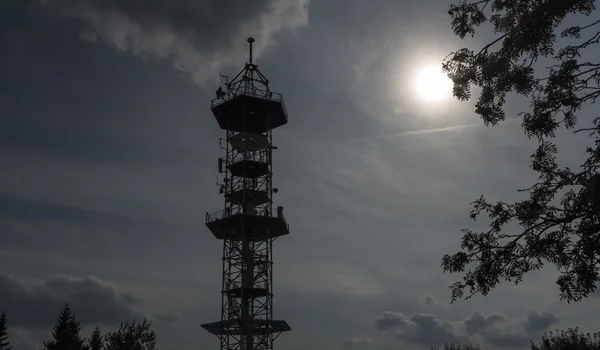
{"points": [[225, 77], [250, 40]]}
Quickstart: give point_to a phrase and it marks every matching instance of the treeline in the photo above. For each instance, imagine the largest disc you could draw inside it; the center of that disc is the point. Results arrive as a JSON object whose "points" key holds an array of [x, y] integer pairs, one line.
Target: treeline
{"points": [[134, 335], [570, 339], [66, 335]]}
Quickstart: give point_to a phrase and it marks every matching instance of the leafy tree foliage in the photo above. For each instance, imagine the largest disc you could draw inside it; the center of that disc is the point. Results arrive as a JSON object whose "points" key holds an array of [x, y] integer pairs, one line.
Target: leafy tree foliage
{"points": [[96, 342], [132, 336], [4, 344], [560, 221], [570, 339], [66, 333]]}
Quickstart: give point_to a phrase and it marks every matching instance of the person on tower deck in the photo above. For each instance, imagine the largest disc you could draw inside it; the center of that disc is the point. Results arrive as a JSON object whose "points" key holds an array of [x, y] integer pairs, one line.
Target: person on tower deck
{"points": [[279, 211], [220, 93]]}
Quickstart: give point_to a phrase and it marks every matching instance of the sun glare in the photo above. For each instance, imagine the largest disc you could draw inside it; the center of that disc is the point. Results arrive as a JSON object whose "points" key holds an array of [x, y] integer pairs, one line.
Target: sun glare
{"points": [[432, 84]]}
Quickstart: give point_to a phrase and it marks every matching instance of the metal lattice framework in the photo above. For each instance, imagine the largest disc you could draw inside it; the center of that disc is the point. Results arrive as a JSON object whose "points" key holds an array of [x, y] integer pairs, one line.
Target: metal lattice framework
{"points": [[248, 111]]}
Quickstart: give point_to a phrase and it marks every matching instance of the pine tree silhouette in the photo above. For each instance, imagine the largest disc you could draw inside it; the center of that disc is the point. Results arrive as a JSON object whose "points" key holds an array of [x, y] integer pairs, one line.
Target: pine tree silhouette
{"points": [[66, 333], [96, 341], [4, 344]]}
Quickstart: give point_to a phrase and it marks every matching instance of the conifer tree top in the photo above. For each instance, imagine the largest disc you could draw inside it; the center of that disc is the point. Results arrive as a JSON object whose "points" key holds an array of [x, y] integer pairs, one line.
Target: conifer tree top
{"points": [[4, 343]]}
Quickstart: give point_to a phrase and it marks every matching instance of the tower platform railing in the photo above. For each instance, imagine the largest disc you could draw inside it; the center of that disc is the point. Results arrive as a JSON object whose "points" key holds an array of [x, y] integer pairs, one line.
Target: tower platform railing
{"points": [[224, 214], [250, 92], [217, 215]]}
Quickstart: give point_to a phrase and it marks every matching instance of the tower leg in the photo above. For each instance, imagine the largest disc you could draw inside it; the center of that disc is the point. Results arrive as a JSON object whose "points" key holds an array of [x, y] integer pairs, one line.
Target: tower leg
{"points": [[247, 282]]}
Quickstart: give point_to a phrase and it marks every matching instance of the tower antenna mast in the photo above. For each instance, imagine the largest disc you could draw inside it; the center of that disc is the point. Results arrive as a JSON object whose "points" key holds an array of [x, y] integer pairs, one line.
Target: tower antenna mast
{"points": [[250, 41]]}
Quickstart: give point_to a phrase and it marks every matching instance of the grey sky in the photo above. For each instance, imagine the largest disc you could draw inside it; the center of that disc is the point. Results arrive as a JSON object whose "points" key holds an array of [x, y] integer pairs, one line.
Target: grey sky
{"points": [[108, 158]]}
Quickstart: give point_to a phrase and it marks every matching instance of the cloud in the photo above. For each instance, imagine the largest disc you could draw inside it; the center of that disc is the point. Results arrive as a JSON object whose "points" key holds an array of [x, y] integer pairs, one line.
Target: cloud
{"points": [[478, 322], [427, 300], [435, 130], [538, 321], [83, 233], [169, 316], [36, 305], [356, 343], [198, 36], [28, 210], [65, 230], [494, 329], [418, 329]]}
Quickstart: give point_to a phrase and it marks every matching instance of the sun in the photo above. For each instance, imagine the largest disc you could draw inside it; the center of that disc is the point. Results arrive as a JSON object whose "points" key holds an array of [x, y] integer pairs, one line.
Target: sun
{"points": [[432, 84]]}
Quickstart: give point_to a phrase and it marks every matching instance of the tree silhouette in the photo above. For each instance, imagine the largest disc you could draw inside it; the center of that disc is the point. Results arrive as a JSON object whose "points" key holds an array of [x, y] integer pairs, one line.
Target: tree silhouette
{"points": [[4, 344], [570, 339], [96, 342], [132, 336], [560, 221], [450, 346], [66, 333]]}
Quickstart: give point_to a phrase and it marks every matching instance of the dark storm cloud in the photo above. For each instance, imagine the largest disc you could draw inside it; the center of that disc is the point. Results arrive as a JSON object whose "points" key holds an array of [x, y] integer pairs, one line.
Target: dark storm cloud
{"points": [[65, 99], [418, 329], [478, 322], [356, 343], [76, 232], [206, 23], [60, 98], [94, 301], [495, 329], [198, 36], [31, 210], [50, 226], [539, 321]]}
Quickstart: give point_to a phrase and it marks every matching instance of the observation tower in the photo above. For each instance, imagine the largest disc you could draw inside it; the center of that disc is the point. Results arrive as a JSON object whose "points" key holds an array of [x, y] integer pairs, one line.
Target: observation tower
{"points": [[248, 111]]}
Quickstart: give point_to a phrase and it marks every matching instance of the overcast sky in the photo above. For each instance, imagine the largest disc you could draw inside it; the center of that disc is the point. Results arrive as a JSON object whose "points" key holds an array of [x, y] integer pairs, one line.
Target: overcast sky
{"points": [[108, 155]]}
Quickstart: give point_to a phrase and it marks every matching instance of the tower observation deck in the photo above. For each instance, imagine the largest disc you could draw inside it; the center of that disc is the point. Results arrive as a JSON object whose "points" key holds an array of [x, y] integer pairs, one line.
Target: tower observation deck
{"points": [[248, 111]]}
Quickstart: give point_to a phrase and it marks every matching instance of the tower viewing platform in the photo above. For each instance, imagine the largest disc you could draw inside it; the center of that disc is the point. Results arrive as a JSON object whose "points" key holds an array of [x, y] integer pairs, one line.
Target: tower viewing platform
{"points": [[265, 110], [246, 225]]}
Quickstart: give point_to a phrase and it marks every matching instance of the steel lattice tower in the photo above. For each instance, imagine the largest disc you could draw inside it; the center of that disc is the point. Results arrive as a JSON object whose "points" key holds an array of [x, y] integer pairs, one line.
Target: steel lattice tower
{"points": [[248, 111]]}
